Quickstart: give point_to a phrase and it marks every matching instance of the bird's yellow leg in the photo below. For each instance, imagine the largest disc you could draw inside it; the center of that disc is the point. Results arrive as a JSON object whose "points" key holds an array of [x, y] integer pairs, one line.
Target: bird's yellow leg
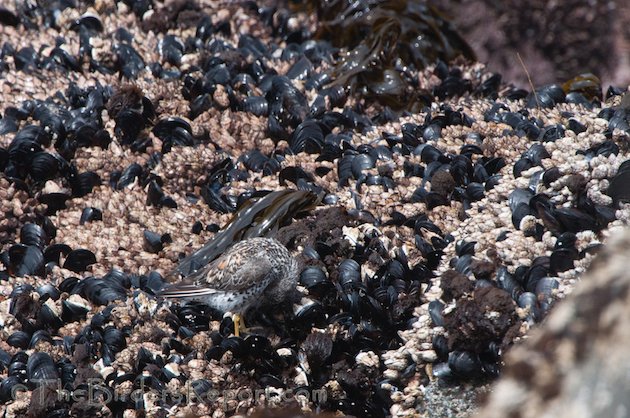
{"points": [[239, 324]]}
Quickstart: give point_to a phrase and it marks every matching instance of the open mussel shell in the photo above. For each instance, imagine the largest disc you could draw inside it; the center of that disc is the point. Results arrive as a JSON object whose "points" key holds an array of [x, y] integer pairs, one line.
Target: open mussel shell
{"points": [[88, 22]]}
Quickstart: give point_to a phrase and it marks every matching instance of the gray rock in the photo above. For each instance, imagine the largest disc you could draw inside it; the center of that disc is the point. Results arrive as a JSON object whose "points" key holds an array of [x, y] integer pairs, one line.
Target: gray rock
{"points": [[576, 364]]}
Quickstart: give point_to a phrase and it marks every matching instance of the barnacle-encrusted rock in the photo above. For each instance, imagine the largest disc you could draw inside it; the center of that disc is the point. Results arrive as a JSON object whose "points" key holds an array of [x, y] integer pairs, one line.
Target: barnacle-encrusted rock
{"points": [[575, 364]]}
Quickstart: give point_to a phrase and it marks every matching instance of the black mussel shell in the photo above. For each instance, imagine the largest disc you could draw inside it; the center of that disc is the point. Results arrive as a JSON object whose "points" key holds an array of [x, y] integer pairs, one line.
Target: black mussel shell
{"points": [[19, 339], [129, 175], [153, 283], [71, 312], [26, 260], [463, 247], [311, 315], [349, 273], [44, 166], [256, 105], [465, 364], [307, 137], [361, 163], [154, 242], [171, 49], [40, 366], [550, 175], [8, 388], [83, 183], [618, 188], [33, 234], [156, 197], [43, 335], [90, 214], [48, 290], [562, 259], [129, 61], [551, 133], [509, 283], [576, 126], [70, 285], [166, 127], [301, 70], [433, 200], [435, 312], [518, 197], [78, 260], [53, 252], [546, 286], [315, 280], [201, 388], [546, 97], [53, 201], [528, 300], [100, 292], [88, 22]]}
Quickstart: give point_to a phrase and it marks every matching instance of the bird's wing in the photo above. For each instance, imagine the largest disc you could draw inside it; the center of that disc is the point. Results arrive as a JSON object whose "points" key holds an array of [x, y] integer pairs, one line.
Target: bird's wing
{"points": [[236, 273], [194, 285], [186, 290], [230, 272]]}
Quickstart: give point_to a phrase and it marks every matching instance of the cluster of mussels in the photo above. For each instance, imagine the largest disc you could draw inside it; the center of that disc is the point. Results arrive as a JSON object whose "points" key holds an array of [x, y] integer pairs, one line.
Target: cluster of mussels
{"points": [[430, 238]]}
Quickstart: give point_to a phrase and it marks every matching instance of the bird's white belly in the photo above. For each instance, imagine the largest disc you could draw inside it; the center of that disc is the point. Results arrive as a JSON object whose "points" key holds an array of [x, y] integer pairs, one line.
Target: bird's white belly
{"points": [[229, 302]]}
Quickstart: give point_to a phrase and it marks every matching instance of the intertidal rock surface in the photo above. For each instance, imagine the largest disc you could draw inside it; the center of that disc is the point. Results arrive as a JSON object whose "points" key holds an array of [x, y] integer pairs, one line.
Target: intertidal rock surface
{"points": [[573, 366], [432, 231]]}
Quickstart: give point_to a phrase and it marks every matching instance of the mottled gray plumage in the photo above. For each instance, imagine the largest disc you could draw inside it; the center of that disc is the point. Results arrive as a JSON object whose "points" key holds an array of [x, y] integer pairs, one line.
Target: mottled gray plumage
{"points": [[251, 272]]}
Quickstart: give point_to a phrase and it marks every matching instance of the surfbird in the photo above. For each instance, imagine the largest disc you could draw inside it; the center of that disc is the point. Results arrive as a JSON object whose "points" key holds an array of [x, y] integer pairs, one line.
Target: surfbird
{"points": [[252, 272]]}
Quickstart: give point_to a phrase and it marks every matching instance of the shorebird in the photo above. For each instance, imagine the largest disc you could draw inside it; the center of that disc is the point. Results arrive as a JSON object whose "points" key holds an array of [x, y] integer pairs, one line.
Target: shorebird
{"points": [[252, 272]]}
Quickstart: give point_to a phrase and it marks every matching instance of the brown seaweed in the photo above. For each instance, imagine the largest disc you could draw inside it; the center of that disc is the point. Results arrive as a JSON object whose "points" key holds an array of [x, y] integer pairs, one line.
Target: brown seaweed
{"points": [[379, 34], [587, 84], [260, 217]]}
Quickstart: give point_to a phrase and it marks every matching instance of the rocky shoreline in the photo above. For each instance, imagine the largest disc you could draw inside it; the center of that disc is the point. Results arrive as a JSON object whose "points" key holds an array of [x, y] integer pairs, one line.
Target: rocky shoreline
{"points": [[431, 240]]}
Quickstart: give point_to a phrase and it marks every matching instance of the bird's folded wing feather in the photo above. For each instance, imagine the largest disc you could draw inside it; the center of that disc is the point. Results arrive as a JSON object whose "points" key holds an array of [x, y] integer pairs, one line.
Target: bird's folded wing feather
{"points": [[185, 290], [243, 274], [224, 274]]}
